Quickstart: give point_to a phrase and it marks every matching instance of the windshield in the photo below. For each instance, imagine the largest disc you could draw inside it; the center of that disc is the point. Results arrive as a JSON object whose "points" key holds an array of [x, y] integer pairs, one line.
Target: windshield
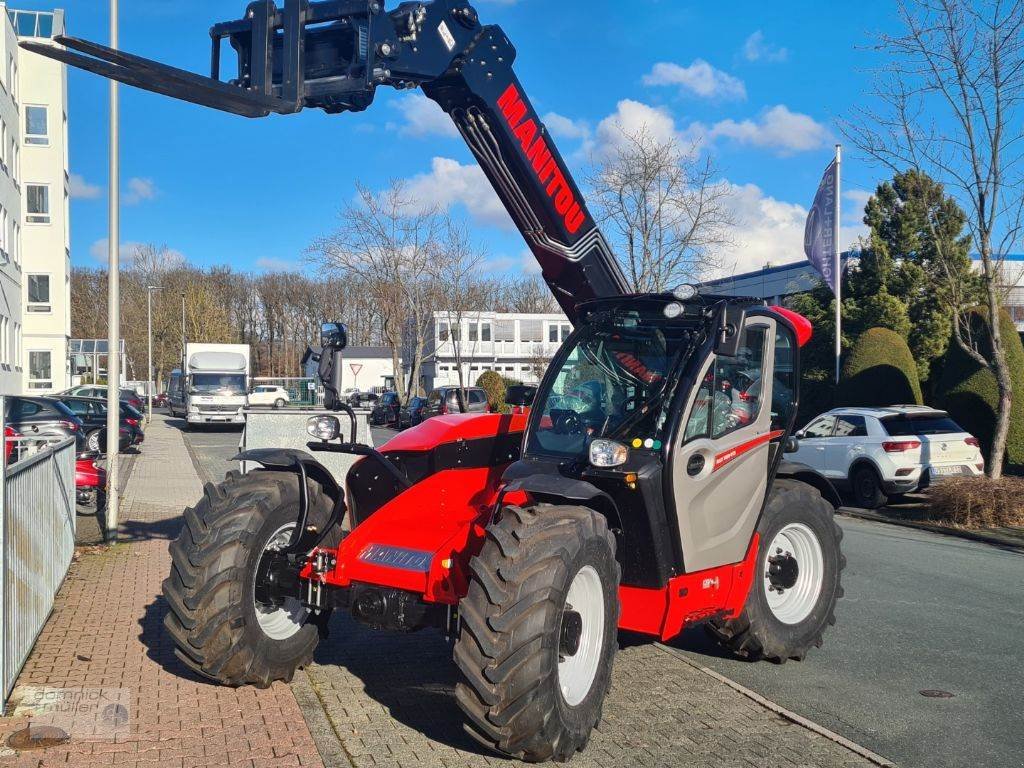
{"points": [[218, 383], [612, 384]]}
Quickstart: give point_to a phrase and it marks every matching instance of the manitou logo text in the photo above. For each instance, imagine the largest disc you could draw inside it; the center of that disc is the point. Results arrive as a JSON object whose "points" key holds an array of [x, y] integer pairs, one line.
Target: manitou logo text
{"points": [[540, 157]]}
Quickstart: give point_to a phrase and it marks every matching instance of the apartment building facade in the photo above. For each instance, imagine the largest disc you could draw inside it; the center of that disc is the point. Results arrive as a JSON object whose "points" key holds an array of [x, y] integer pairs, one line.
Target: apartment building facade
{"points": [[11, 272], [519, 346]]}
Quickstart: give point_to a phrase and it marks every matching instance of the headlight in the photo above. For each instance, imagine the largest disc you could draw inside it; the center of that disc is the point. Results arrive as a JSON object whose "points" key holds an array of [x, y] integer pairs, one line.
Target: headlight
{"points": [[324, 427], [608, 453]]}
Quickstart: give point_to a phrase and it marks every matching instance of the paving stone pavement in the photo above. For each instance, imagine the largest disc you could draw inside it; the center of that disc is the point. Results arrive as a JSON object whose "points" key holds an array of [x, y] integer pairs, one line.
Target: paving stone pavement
{"points": [[106, 631], [390, 699]]}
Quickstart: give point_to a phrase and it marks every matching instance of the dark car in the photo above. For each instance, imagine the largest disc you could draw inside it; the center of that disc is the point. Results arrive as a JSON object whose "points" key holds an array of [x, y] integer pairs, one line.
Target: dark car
{"points": [[445, 400], [43, 418], [359, 399], [385, 412], [93, 413], [411, 414], [99, 391]]}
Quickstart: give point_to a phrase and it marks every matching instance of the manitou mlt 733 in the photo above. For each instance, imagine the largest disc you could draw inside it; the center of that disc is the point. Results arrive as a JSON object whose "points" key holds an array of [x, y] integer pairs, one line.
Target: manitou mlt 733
{"points": [[646, 489]]}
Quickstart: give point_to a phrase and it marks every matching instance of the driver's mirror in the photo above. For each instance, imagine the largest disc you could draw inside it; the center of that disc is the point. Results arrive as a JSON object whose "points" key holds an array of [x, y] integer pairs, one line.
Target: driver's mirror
{"points": [[520, 394], [792, 444], [333, 335], [729, 330]]}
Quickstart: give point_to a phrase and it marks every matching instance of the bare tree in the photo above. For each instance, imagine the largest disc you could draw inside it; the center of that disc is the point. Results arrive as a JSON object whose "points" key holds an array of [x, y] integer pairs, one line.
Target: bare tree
{"points": [[950, 97], [383, 248], [662, 209], [528, 294]]}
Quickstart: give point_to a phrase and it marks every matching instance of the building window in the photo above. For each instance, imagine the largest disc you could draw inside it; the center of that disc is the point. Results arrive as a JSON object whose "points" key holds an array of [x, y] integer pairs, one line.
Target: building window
{"points": [[37, 197], [40, 372], [485, 331], [35, 126], [557, 333], [39, 293], [531, 331]]}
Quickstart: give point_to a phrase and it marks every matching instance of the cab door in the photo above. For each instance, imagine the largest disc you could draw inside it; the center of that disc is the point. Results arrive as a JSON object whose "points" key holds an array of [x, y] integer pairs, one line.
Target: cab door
{"points": [[720, 466]]}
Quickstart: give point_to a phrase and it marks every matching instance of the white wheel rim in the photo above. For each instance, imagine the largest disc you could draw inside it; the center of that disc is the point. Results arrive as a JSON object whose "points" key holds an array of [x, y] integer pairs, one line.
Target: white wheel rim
{"points": [[281, 622], [793, 604], [576, 673]]}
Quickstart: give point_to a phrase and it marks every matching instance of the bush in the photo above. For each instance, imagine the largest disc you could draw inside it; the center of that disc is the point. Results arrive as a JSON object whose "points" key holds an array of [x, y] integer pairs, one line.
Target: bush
{"points": [[880, 370], [494, 385], [970, 394], [978, 502]]}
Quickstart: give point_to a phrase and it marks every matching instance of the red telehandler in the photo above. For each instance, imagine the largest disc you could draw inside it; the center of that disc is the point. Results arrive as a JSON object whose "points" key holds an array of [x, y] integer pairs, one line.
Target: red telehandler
{"points": [[645, 490]]}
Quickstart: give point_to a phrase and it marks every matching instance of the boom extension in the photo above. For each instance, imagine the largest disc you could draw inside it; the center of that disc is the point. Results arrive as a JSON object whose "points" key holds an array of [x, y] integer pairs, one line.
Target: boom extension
{"points": [[332, 56]]}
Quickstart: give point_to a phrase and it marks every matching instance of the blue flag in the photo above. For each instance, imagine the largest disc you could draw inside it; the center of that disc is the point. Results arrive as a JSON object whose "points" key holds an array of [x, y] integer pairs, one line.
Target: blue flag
{"points": [[819, 232]]}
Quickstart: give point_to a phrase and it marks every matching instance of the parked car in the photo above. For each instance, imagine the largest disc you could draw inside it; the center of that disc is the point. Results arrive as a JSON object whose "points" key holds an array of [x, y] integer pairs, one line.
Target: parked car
{"points": [[93, 413], [129, 396], [161, 400], [269, 395], [90, 480], [10, 436], [359, 399], [43, 418], [411, 414], [385, 411], [446, 400], [876, 453], [520, 397]]}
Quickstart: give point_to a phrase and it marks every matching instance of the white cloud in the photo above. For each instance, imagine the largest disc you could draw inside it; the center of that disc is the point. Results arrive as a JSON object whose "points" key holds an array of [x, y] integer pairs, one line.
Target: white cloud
{"points": [[451, 183], [630, 118], [171, 258], [140, 190], [422, 117], [777, 128], [562, 127], [698, 79], [273, 264], [768, 231], [757, 49], [82, 189], [857, 199]]}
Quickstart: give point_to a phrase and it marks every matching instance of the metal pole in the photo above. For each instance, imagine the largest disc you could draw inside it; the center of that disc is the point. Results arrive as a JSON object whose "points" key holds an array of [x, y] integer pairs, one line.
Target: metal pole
{"points": [[838, 265], [182, 334], [149, 320], [113, 303]]}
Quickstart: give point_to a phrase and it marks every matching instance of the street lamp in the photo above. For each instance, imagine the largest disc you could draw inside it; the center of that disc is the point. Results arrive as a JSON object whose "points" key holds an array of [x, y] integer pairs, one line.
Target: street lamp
{"points": [[113, 303], [149, 313]]}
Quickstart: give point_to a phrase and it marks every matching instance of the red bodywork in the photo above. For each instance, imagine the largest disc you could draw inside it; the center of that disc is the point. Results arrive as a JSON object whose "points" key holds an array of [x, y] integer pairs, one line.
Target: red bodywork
{"points": [[10, 434], [444, 518], [88, 476]]}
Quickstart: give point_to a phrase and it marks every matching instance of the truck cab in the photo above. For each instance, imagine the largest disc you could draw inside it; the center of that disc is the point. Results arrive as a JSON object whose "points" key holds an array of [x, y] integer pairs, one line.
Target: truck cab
{"points": [[217, 383]]}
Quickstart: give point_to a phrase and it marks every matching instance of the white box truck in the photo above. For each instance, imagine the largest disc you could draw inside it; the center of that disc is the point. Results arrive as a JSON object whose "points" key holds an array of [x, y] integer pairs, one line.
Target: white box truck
{"points": [[218, 383]]}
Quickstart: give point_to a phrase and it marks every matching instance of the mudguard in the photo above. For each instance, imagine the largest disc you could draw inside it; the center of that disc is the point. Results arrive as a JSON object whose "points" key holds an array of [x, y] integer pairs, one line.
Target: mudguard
{"points": [[288, 460], [796, 471], [557, 489]]}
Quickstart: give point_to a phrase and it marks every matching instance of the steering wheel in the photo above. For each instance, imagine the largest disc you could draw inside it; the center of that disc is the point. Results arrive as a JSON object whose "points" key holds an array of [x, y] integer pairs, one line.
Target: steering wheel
{"points": [[567, 422]]}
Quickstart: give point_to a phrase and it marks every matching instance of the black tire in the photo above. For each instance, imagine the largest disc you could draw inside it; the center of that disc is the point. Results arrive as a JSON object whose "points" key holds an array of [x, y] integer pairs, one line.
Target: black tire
{"points": [[757, 633], [212, 614], [279, 403], [867, 488], [511, 623], [97, 434]]}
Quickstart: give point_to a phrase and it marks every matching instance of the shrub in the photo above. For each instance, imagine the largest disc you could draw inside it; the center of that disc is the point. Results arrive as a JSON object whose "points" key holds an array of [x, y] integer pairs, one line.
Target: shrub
{"points": [[494, 385], [978, 502], [970, 394], [880, 370]]}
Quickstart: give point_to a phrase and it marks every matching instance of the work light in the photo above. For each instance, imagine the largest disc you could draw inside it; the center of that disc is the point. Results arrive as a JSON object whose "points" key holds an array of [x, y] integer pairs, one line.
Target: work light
{"points": [[324, 427], [608, 453]]}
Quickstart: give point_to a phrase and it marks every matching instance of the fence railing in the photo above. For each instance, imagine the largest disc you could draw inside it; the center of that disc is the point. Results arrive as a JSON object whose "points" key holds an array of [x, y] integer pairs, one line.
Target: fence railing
{"points": [[37, 526]]}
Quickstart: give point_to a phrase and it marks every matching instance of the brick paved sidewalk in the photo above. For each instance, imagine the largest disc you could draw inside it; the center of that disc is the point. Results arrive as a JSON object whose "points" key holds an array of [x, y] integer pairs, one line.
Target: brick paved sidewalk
{"points": [[106, 631]]}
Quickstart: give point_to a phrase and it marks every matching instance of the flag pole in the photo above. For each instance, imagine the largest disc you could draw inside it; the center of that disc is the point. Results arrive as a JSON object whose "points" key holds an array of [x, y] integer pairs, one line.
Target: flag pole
{"points": [[838, 258]]}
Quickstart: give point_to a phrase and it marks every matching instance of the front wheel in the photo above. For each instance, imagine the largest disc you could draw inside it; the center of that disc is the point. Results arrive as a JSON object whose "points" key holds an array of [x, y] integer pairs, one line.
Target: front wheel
{"points": [[223, 626], [279, 403], [796, 581], [538, 632]]}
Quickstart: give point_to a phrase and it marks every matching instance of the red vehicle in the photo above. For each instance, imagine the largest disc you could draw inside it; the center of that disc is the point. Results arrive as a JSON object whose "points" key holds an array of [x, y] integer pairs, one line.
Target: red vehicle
{"points": [[627, 498], [10, 436], [90, 479]]}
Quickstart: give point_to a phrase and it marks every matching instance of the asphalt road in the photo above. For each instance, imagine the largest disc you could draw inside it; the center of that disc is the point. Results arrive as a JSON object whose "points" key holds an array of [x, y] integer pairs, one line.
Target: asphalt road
{"points": [[922, 612]]}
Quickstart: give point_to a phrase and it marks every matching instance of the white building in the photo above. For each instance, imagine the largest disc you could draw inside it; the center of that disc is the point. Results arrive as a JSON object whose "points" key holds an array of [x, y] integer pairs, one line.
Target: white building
{"points": [[518, 346], [11, 281], [45, 238]]}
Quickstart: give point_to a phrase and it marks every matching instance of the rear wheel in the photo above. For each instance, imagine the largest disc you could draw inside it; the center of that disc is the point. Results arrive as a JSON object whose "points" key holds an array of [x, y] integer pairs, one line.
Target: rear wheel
{"points": [[222, 625], [796, 582], [867, 488], [538, 632]]}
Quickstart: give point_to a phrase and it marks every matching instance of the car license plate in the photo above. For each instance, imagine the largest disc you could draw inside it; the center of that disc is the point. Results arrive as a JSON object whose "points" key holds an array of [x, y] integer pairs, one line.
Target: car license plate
{"points": [[945, 471]]}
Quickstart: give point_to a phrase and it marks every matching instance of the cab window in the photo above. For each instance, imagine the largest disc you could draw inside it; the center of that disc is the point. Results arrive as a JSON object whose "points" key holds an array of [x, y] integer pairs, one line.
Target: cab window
{"points": [[729, 398]]}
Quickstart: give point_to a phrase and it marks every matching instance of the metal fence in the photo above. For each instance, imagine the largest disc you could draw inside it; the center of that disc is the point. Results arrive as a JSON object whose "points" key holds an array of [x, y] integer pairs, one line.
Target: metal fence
{"points": [[37, 526]]}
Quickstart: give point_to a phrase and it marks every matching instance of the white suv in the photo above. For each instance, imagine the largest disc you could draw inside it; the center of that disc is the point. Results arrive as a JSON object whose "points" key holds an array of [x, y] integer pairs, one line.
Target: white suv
{"points": [[880, 452], [268, 394]]}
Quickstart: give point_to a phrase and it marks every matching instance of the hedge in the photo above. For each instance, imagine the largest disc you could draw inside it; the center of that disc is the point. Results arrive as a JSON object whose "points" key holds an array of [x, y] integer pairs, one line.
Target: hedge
{"points": [[494, 385], [969, 391], [880, 370]]}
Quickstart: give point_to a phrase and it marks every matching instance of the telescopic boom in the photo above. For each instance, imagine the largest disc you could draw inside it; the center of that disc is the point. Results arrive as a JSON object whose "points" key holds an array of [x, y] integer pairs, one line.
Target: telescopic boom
{"points": [[333, 56]]}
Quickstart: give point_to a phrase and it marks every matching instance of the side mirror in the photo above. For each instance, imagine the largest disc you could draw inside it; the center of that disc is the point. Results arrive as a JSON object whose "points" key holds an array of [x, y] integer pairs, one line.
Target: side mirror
{"points": [[792, 444], [333, 335], [729, 330], [520, 394]]}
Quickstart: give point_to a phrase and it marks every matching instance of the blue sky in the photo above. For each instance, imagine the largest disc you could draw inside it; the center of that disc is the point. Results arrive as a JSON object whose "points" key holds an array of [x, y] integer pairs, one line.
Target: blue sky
{"points": [[759, 84]]}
